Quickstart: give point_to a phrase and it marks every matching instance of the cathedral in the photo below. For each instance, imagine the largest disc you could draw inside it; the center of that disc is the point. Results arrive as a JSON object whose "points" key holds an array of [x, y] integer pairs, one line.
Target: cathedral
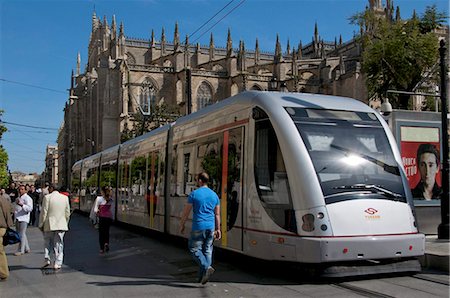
{"points": [[125, 76]]}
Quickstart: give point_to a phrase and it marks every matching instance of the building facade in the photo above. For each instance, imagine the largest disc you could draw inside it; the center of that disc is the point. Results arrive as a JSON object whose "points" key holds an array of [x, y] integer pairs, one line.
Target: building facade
{"points": [[51, 171]]}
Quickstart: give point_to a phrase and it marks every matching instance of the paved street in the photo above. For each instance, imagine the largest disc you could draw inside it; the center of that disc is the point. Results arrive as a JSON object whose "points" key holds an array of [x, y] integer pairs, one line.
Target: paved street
{"points": [[143, 266]]}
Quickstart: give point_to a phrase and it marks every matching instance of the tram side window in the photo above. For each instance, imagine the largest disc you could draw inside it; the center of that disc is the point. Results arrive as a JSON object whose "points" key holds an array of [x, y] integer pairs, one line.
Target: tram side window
{"points": [[91, 181], [152, 192], [271, 178], [75, 185], [138, 175], [124, 180], [108, 175]]}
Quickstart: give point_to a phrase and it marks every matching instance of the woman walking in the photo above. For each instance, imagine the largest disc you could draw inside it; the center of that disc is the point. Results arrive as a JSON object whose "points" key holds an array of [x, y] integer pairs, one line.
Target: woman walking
{"points": [[104, 208]]}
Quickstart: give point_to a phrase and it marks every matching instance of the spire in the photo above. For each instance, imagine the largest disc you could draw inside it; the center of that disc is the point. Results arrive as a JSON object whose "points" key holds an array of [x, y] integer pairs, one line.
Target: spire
{"points": [[105, 22], [121, 32], [414, 15], [152, 39], [229, 44], [256, 52], [71, 83], [94, 22], [397, 14], [299, 51], [340, 39], [316, 33], [163, 42], [241, 56], [288, 48], [278, 54], [211, 47], [78, 63], [176, 37], [114, 27], [335, 42]]}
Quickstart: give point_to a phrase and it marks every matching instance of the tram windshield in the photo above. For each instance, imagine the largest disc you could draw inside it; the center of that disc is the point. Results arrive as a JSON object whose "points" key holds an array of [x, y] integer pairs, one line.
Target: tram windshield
{"points": [[351, 154]]}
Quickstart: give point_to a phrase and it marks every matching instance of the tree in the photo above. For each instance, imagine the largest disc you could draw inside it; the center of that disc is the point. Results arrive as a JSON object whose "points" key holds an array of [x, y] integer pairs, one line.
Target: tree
{"points": [[4, 176], [397, 53], [161, 115]]}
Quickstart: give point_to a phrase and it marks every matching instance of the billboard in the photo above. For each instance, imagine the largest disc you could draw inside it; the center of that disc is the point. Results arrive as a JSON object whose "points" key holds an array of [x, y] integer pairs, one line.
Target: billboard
{"points": [[419, 147]]}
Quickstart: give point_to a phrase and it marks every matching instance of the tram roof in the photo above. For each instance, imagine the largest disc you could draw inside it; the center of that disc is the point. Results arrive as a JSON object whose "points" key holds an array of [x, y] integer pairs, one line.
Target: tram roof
{"points": [[271, 100]]}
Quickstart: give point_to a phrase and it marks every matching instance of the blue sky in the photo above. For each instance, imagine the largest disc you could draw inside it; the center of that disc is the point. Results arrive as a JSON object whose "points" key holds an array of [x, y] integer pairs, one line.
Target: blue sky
{"points": [[39, 42]]}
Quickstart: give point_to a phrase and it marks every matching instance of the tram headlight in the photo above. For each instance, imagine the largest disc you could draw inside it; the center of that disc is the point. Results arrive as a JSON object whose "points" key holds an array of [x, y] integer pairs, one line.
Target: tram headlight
{"points": [[308, 222], [320, 215]]}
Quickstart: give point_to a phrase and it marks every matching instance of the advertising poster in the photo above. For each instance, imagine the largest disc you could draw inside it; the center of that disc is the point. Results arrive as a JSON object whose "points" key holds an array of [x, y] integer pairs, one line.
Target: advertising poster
{"points": [[420, 151]]}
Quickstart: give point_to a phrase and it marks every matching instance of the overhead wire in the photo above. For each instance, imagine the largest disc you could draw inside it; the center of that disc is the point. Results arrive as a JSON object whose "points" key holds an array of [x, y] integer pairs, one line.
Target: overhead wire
{"points": [[207, 30], [204, 24], [32, 86], [29, 126]]}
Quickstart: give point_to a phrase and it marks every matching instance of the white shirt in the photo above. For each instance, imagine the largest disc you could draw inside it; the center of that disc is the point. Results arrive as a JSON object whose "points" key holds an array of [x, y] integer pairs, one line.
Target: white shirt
{"points": [[22, 213]]}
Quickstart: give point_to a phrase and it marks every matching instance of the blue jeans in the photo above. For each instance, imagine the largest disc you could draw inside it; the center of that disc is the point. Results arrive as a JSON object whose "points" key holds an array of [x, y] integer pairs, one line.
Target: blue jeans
{"points": [[201, 248]]}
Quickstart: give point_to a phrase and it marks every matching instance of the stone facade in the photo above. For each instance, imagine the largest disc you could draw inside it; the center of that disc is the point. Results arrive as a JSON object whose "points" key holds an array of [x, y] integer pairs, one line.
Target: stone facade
{"points": [[125, 75]]}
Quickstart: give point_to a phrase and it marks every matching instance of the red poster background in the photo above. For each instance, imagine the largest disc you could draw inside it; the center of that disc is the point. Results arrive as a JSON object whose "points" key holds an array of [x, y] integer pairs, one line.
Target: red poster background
{"points": [[410, 163]]}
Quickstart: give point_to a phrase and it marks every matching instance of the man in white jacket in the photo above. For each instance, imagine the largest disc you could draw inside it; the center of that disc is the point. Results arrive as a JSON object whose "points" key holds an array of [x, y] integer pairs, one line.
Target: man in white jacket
{"points": [[54, 222]]}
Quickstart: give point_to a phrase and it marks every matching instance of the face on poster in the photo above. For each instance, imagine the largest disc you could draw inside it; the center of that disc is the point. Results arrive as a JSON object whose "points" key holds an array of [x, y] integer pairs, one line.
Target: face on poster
{"points": [[421, 159]]}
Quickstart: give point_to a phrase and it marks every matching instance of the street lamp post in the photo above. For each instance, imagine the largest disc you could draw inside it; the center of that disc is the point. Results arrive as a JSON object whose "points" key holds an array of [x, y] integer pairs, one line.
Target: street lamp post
{"points": [[443, 228], [273, 84]]}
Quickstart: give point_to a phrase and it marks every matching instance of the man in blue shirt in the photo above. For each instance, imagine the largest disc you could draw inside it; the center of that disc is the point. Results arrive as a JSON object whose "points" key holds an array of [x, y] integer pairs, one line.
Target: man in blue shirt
{"points": [[205, 225]]}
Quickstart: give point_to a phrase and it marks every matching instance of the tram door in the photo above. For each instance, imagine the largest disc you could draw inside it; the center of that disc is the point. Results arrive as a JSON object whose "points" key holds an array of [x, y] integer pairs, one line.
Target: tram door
{"points": [[231, 188]]}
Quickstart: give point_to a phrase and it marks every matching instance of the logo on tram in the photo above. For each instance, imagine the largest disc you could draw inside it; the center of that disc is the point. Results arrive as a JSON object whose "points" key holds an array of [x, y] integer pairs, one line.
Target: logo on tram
{"points": [[371, 211]]}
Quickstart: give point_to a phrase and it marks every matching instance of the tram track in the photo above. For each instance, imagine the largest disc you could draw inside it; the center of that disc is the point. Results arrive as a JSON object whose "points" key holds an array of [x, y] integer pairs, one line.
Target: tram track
{"points": [[433, 280], [361, 291]]}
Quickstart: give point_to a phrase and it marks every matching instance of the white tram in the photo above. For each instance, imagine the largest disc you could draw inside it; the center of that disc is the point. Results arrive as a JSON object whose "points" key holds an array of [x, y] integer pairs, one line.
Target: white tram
{"points": [[302, 178]]}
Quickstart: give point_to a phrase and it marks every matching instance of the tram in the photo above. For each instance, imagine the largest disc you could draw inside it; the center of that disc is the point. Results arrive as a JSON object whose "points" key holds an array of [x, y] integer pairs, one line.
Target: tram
{"points": [[304, 178]]}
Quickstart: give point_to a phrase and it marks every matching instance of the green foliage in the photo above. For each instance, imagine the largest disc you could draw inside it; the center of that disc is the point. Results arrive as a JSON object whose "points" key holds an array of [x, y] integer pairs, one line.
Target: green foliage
{"points": [[432, 19], [161, 115], [4, 177], [397, 53]]}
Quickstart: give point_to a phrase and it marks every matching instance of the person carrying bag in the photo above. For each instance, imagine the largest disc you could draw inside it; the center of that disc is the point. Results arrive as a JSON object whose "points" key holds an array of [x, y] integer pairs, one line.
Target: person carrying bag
{"points": [[5, 222]]}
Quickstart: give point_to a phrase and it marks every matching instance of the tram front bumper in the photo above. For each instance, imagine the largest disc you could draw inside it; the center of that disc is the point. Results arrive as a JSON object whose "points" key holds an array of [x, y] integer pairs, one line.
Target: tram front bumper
{"points": [[336, 249]]}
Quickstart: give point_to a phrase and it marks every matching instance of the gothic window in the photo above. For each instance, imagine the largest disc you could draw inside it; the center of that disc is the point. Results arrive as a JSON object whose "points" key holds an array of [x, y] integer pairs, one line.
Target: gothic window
{"points": [[204, 96], [167, 63], [218, 67], [256, 87], [147, 97]]}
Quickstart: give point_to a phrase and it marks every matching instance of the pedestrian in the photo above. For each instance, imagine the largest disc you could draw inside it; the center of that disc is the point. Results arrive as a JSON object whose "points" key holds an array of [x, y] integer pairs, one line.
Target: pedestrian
{"points": [[22, 210], [34, 216], [104, 209], [12, 192], [205, 225], [5, 222], [54, 222]]}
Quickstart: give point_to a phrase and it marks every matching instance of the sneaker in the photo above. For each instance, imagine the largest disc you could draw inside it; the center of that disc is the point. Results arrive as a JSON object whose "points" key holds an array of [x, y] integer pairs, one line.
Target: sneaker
{"points": [[18, 253], [46, 264], [57, 267], [207, 275]]}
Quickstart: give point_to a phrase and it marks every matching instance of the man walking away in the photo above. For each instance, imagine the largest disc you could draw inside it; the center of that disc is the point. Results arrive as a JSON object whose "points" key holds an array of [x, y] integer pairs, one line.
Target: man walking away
{"points": [[22, 210], [54, 222], [205, 225], [5, 222]]}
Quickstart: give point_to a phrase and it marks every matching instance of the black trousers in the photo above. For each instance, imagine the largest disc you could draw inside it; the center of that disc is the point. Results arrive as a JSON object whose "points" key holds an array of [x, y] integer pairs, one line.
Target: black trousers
{"points": [[104, 223]]}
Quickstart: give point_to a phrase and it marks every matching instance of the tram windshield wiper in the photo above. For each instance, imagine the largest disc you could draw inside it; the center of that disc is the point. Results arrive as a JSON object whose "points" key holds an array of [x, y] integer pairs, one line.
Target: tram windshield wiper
{"points": [[388, 168], [373, 188]]}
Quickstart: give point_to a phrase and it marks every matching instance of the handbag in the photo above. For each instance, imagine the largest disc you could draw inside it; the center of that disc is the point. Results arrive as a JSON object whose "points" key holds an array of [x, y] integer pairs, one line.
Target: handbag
{"points": [[10, 237]]}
